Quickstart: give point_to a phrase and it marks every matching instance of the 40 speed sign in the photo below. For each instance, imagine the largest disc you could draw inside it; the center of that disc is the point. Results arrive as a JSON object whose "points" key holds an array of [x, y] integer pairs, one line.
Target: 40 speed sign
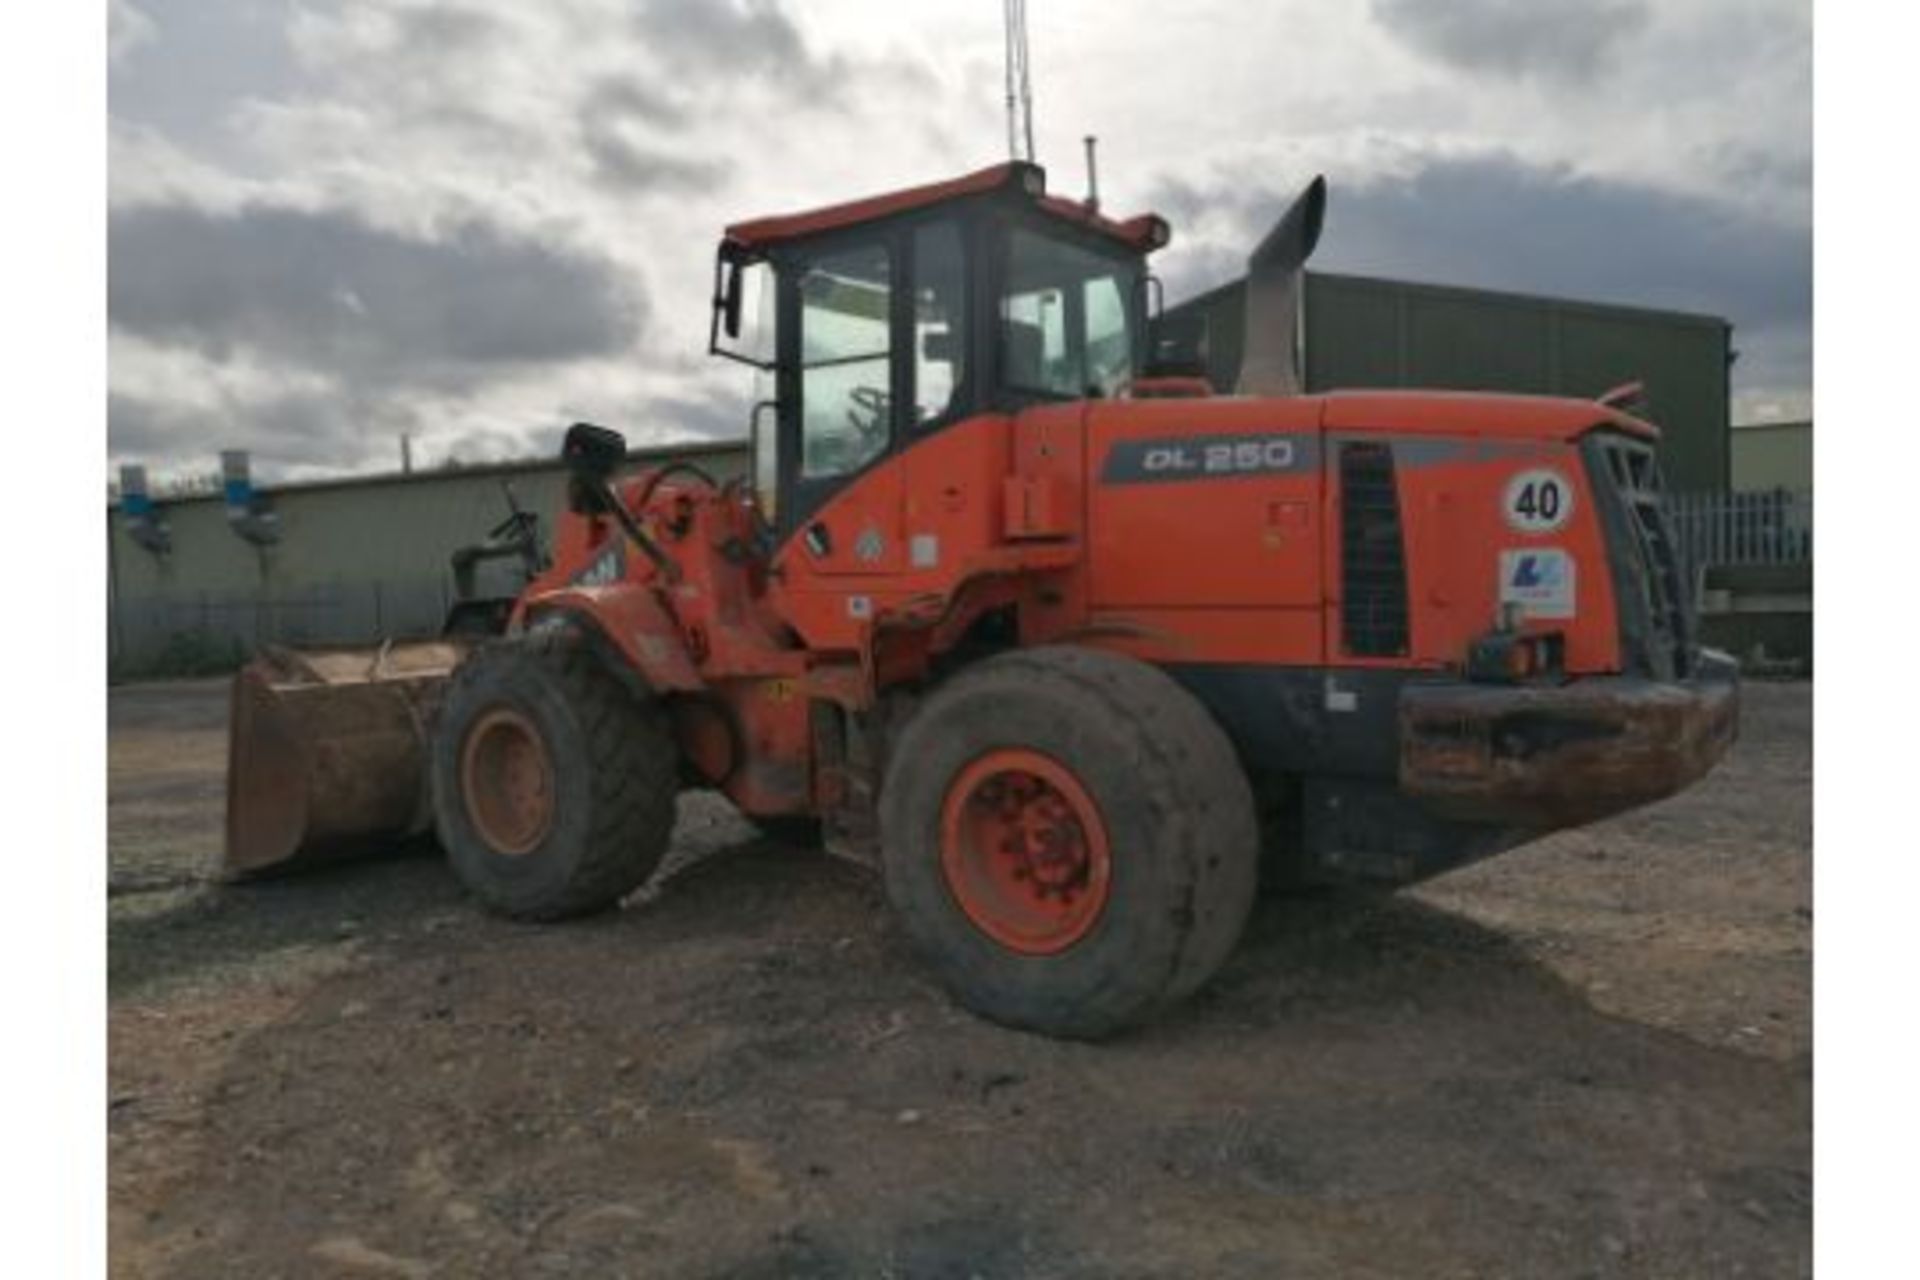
{"points": [[1538, 500]]}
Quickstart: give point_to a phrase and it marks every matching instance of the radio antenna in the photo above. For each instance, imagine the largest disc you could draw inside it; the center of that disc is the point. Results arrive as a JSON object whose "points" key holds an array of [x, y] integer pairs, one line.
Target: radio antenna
{"points": [[1019, 85]]}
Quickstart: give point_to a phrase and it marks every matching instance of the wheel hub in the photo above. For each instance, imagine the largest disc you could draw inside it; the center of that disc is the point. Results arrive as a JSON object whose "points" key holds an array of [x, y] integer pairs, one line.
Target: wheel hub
{"points": [[1024, 851], [506, 781]]}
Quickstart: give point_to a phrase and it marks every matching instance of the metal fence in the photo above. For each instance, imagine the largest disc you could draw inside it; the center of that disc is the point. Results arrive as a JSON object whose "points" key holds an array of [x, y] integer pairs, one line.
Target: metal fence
{"points": [[184, 632], [1713, 530]]}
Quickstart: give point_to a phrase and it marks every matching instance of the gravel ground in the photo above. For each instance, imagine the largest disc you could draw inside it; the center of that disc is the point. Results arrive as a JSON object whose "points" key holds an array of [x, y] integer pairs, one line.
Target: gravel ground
{"points": [[1590, 1057]]}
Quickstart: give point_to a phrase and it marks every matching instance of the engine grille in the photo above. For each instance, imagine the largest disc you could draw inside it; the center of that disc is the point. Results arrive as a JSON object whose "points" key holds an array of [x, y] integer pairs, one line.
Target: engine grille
{"points": [[1373, 565], [1656, 613]]}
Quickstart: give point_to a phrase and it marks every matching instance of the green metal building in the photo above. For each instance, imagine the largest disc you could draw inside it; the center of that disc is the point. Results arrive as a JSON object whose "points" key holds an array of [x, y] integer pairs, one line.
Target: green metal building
{"points": [[1358, 332], [351, 560], [1773, 455]]}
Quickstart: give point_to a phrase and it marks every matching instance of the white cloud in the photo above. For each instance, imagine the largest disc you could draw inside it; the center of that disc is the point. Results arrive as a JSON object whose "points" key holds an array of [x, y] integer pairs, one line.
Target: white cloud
{"points": [[127, 29], [628, 135]]}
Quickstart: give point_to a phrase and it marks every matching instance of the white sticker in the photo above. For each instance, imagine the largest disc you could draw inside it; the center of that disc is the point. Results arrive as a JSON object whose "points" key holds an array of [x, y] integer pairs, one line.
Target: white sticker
{"points": [[1339, 699], [859, 606], [924, 550], [1540, 581], [1538, 500]]}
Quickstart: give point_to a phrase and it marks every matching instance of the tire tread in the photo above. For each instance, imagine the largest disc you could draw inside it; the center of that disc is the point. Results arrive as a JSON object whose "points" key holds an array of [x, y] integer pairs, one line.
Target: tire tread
{"points": [[631, 765], [1189, 776]]}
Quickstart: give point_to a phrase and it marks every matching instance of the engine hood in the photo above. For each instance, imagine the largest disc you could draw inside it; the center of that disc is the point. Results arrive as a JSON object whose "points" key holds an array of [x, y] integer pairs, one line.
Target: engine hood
{"points": [[1475, 413]]}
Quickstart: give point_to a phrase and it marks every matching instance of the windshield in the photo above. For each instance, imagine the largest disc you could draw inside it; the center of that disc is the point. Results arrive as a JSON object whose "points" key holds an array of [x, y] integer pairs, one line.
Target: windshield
{"points": [[1068, 324]]}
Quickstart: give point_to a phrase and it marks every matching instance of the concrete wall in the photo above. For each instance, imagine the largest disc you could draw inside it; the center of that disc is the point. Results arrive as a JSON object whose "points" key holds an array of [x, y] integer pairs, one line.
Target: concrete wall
{"points": [[1773, 455], [357, 560]]}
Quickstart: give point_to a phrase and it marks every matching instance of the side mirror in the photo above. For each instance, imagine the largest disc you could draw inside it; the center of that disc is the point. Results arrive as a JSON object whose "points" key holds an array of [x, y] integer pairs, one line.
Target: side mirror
{"points": [[730, 300], [735, 274], [592, 453]]}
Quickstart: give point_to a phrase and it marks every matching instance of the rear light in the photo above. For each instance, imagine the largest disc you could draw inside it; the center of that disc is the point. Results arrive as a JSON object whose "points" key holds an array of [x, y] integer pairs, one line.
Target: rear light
{"points": [[1508, 657]]}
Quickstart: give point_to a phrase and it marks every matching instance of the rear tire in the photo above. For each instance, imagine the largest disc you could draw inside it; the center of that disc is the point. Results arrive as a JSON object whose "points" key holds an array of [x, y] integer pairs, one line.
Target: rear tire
{"points": [[1102, 790], [553, 783]]}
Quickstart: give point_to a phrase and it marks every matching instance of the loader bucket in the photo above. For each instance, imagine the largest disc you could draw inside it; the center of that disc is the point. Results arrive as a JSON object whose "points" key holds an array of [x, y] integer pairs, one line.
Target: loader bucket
{"points": [[327, 753]]}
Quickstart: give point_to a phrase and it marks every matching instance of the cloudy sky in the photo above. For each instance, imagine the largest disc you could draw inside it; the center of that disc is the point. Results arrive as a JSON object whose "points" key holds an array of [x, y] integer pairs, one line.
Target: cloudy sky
{"points": [[475, 221]]}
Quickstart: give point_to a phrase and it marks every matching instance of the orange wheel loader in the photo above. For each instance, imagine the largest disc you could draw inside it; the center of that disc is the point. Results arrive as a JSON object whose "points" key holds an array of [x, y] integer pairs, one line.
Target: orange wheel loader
{"points": [[1074, 651]]}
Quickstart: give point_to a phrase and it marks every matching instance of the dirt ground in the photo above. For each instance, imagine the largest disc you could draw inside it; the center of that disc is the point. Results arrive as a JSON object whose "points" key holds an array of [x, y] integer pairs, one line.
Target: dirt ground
{"points": [[1589, 1057]]}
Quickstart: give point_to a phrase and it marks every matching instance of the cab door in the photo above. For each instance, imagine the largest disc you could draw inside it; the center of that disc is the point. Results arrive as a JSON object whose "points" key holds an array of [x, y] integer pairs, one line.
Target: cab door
{"points": [[839, 409]]}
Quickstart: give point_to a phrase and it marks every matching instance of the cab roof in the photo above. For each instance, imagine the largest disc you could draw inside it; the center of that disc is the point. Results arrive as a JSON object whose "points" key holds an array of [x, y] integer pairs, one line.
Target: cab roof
{"points": [[1142, 234]]}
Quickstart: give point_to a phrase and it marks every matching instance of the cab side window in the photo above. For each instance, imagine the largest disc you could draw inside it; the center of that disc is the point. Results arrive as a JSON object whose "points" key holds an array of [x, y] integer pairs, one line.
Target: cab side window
{"points": [[939, 322], [1067, 325], [1109, 342], [1033, 320], [846, 364]]}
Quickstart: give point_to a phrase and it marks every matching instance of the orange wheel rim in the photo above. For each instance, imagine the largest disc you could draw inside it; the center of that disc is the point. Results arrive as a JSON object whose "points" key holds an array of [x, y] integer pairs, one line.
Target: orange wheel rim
{"points": [[506, 781], [1024, 851]]}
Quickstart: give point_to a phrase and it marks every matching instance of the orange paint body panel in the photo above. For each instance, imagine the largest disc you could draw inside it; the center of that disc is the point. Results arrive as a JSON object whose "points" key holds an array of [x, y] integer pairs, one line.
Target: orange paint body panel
{"points": [[1451, 510], [1201, 529], [931, 519], [1476, 415], [1199, 533], [1167, 532]]}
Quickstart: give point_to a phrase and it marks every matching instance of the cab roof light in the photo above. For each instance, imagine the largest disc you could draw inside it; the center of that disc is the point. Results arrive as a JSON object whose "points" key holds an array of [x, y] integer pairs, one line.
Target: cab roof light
{"points": [[1030, 178]]}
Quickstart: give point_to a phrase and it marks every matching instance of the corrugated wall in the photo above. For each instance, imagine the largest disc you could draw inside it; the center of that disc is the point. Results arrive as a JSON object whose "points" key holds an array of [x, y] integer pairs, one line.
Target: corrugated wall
{"points": [[356, 561], [1773, 455], [1361, 332]]}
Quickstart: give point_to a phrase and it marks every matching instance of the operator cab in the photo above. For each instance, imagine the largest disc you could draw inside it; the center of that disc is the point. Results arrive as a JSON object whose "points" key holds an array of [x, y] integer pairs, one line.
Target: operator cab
{"points": [[882, 321]]}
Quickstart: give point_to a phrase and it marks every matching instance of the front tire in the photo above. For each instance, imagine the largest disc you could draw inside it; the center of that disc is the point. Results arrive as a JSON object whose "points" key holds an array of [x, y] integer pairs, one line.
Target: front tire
{"points": [[1068, 839], [553, 783]]}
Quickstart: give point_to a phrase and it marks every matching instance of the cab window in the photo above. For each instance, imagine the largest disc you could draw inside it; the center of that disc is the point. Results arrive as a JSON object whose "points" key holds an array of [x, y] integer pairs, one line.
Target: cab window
{"points": [[1109, 337], [939, 322], [1067, 327], [846, 364]]}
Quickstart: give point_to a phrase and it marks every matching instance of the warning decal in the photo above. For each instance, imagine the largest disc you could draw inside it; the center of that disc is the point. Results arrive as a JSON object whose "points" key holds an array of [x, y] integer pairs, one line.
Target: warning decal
{"points": [[1540, 581]]}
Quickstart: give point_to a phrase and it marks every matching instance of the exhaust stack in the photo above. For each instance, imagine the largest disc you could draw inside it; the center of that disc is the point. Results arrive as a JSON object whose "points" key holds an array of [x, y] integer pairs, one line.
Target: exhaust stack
{"points": [[1270, 365]]}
